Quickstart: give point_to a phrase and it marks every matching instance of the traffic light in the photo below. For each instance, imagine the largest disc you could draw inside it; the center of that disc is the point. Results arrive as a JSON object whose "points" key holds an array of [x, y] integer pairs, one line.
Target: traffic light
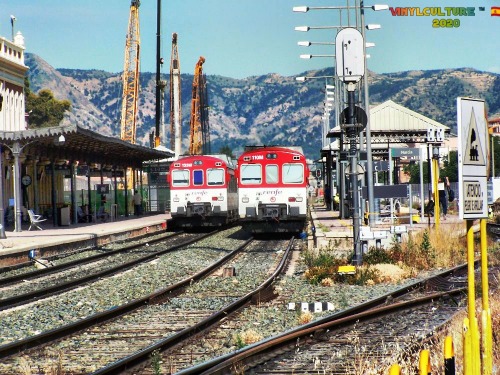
{"points": [[1, 101], [318, 173]]}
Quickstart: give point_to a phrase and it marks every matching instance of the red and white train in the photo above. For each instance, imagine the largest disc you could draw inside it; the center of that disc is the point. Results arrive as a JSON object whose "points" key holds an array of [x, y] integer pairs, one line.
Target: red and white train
{"points": [[203, 191], [272, 189]]}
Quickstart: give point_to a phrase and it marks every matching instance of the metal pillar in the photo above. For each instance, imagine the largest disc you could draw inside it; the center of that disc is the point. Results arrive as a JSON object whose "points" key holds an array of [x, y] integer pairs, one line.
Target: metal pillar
{"points": [[352, 132], [35, 186], [73, 192], [54, 197], [16, 151], [2, 214]]}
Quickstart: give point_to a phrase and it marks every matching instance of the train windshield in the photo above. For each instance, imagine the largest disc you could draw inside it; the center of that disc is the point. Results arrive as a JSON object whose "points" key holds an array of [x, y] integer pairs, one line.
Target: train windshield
{"points": [[293, 173], [180, 177], [251, 174], [215, 176], [271, 174]]}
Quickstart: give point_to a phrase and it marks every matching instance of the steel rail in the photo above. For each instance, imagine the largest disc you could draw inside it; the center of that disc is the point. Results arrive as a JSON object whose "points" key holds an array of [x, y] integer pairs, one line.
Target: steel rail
{"points": [[144, 355], [288, 339], [69, 329], [36, 294], [374, 303], [60, 267]]}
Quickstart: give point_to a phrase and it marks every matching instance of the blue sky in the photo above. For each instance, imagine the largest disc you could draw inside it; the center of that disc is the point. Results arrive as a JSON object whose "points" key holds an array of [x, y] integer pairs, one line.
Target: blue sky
{"points": [[241, 38]]}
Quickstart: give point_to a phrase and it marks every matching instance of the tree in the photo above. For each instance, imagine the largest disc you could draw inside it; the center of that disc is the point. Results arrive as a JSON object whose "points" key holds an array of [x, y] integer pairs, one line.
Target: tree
{"points": [[226, 150], [450, 169], [45, 110]]}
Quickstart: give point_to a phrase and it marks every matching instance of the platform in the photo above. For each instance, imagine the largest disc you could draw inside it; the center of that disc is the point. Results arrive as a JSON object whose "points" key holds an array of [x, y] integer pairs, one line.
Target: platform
{"points": [[331, 231], [16, 246]]}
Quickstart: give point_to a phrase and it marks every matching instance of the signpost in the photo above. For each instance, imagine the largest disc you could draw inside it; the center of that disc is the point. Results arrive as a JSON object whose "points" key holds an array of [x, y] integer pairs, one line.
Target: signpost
{"points": [[472, 159], [473, 197]]}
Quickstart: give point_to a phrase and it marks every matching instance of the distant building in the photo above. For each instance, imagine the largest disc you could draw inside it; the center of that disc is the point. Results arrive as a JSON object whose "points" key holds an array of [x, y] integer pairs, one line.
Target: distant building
{"points": [[12, 72]]}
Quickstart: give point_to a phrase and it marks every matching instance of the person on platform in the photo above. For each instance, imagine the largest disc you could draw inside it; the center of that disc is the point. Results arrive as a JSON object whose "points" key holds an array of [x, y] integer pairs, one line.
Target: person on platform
{"points": [[328, 197], [137, 203], [443, 187]]}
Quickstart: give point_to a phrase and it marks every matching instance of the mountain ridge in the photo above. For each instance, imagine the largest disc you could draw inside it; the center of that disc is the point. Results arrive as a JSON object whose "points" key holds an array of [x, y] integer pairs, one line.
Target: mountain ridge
{"points": [[266, 109]]}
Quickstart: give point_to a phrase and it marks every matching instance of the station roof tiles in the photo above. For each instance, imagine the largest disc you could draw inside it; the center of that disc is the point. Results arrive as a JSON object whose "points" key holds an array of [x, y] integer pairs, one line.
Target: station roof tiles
{"points": [[82, 145]]}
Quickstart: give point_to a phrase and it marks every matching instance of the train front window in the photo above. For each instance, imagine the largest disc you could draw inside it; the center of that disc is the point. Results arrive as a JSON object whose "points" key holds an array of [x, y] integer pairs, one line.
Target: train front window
{"points": [[271, 174], [293, 173], [198, 177], [215, 176], [180, 177], [251, 174]]}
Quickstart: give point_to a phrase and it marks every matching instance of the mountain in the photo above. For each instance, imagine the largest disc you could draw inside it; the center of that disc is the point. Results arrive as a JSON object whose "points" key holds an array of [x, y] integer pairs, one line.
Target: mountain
{"points": [[267, 109]]}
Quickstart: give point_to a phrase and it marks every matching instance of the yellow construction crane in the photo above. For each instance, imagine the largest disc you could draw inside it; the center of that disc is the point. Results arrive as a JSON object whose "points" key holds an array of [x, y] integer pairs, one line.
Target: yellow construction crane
{"points": [[199, 142], [131, 75], [175, 99]]}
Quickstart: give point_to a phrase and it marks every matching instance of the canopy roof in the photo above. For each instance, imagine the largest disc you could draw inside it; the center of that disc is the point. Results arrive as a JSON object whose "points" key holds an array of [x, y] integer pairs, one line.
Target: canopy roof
{"points": [[393, 123], [80, 144]]}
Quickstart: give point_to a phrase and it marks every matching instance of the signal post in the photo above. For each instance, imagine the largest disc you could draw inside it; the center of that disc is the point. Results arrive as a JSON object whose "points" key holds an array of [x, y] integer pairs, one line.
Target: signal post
{"points": [[472, 171]]}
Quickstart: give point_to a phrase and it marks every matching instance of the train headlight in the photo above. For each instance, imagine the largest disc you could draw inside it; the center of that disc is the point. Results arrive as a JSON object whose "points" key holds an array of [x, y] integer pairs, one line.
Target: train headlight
{"points": [[291, 199], [298, 199], [219, 198], [245, 200], [176, 199]]}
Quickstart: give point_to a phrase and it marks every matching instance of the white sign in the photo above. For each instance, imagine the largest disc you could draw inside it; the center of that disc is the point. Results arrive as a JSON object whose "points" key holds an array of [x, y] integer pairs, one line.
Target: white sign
{"points": [[472, 158], [349, 55]]}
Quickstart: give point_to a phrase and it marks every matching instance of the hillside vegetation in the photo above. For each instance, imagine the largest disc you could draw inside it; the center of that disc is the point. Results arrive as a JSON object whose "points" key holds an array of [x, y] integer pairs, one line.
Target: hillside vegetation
{"points": [[268, 109]]}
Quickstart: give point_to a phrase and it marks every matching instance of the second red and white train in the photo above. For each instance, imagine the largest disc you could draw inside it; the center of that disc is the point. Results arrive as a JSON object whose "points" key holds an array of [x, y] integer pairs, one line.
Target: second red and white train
{"points": [[270, 195]]}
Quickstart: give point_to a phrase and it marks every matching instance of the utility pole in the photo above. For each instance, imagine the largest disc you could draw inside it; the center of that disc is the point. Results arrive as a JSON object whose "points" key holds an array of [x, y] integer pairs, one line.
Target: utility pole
{"points": [[350, 68], [159, 84]]}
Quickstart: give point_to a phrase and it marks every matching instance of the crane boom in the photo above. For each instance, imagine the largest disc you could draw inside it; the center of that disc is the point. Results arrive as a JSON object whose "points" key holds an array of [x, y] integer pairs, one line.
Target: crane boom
{"points": [[131, 76], [199, 137], [175, 99]]}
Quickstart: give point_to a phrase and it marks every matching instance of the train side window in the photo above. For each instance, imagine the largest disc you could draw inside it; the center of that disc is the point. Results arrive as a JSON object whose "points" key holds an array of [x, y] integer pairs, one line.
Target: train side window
{"points": [[215, 176], [293, 173], [198, 177], [251, 174], [272, 174], [180, 177]]}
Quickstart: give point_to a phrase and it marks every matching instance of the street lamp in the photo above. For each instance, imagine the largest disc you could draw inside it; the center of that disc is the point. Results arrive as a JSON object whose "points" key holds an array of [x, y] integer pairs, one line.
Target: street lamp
{"points": [[303, 79], [306, 43], [305, 9], [311, 56], [307, 28]]}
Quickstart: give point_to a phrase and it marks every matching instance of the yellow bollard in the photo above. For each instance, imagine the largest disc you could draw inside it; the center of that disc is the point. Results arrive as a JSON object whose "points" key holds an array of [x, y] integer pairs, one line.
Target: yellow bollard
{"points": [[449, 356], [476, 351], [395, 369], [424, 366], [487, 342], [468, 365], [487, 338]]}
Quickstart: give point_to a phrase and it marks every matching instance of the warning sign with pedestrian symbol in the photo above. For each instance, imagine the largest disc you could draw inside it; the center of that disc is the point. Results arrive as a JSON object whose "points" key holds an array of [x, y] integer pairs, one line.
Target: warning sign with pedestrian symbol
{"points": [[472, 158], [473, 152]]}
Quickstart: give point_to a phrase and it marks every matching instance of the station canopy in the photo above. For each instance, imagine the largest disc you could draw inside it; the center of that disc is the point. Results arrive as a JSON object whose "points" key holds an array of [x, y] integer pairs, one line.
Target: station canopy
{"points": [[75, 143]]}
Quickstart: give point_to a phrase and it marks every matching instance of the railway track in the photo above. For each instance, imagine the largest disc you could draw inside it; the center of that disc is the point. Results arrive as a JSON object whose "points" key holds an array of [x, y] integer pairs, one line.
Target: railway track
{"points": [[24, 288], [141, 327], [45, 265], [37, 322], [345, 342]]}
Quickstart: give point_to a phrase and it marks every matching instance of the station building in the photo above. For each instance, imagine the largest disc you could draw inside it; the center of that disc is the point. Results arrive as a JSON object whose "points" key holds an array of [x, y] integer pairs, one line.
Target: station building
{"points": [[39, 168]]}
